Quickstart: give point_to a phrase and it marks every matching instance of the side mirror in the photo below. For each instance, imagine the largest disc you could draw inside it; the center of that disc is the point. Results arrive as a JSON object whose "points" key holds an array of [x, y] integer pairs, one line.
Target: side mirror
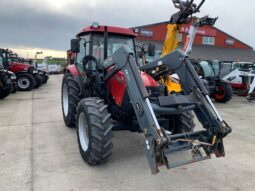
{"points": [[75, 45], [151, 50]]}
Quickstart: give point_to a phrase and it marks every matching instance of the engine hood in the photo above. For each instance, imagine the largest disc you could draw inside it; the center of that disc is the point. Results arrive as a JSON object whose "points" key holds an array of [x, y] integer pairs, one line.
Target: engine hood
{"points": [[18, 67], [148, 81], [117, 85]]}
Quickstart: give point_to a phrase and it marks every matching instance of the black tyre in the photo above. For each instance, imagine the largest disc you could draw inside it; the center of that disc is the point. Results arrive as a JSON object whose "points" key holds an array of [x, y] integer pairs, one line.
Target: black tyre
{"points": [[4, 93], [181, 123], [70, 98], [43, 79], [224, 93], [5, 85], [94, 131], [25, 82], [38, 80], [14, 87]]}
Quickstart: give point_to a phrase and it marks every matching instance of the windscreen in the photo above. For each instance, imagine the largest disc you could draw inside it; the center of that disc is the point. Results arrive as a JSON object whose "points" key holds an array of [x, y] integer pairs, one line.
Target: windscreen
{"points": [[207, 69], [114, 43]]}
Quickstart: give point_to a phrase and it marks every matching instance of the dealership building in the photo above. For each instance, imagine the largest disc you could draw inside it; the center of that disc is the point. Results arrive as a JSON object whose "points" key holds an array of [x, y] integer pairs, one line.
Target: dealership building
{"points": [[210, 42]]}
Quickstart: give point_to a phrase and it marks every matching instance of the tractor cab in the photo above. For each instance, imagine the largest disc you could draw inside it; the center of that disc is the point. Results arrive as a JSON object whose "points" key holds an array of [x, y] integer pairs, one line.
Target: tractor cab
{"points": [[101, 42], [4, 58]]}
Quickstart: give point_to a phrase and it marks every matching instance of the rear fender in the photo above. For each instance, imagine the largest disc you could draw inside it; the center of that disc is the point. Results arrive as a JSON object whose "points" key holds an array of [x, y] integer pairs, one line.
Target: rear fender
{"points": [[73, 70], [77, 76]]}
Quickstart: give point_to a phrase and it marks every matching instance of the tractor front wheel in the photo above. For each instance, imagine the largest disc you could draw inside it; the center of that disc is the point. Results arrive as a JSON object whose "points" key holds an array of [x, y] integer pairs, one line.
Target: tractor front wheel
{"points": [[224, 93], [181, 123], [94, 131]]}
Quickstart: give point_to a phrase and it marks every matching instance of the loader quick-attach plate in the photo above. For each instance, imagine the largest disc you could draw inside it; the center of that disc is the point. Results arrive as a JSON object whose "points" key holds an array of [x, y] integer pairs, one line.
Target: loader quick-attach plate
{"points": [[184, 148], [159, 144], [180, 154]]}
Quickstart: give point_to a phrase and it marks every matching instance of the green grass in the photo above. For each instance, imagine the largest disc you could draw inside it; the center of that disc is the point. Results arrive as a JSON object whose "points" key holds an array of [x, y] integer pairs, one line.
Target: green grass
{"points": [[60, 61]]}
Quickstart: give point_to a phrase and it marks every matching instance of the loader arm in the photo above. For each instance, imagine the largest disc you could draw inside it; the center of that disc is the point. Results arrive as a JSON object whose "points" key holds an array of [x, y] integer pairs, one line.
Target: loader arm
{"points": [[159, 144]]}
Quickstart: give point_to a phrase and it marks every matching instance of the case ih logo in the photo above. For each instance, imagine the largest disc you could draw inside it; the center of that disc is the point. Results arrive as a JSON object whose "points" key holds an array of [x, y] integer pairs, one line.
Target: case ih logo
{"points": [[146, 33]]}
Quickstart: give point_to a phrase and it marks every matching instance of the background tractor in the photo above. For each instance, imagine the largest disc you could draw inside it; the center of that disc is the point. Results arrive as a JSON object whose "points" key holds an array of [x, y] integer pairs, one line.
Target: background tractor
{"points": [[104, 90], [210, 70], [27, 75], [18, 63], [42, 73]]}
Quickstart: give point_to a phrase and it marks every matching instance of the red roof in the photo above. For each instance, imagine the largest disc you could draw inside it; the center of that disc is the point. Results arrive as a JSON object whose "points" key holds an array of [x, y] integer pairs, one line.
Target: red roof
{"points": [[116, 30]]}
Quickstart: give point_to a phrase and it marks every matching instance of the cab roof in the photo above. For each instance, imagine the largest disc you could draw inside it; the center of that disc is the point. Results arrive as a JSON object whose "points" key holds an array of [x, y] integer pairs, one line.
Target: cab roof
{"points": [[110, 29]]}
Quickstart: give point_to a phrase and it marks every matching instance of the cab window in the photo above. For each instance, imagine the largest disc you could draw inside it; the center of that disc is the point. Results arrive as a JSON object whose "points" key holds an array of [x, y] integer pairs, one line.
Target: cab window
{"points": [[84, 49], [1, 62], [98, 48]]}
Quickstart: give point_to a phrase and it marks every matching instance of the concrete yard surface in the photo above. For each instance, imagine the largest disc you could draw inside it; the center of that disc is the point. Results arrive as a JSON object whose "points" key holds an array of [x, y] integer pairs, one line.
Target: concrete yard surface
{"points": [[37, 152]]}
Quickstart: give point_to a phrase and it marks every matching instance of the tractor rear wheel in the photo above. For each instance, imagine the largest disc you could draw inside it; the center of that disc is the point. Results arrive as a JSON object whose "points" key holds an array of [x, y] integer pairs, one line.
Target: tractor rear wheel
{"points": [[70, 98], [224, 93], [94, 131], [25, 81], [181, 123]]}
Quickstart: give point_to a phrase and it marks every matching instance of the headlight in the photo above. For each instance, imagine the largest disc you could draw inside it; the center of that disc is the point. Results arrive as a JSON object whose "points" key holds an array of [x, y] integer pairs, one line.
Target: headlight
{"points": [[40, 72], [35, 71]]}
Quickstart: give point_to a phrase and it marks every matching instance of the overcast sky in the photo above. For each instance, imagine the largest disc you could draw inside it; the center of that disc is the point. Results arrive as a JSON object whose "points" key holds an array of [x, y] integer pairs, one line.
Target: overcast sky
{"points": [[50, 24]]}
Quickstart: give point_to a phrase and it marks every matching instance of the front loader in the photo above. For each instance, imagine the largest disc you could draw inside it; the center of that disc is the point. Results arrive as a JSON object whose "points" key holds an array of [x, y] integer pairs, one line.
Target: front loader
{"points": [[104, 90]]}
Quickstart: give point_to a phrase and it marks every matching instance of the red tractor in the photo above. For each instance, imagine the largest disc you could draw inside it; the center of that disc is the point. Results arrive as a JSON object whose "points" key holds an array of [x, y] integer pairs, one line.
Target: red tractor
{"points": [[27, 75], [43, 74], [104, 90]]}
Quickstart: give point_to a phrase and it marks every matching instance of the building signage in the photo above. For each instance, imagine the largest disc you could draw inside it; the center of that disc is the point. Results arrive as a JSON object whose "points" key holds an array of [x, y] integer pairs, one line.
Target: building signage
{"points": [[230, 42], [201, 31], [146, 33]]}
